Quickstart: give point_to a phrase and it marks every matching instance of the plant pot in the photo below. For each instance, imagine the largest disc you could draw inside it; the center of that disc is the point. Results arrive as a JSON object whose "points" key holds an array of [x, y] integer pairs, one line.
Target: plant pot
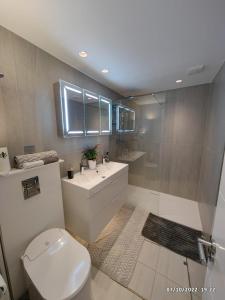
{"points": [[92, 164], [4, 160]]}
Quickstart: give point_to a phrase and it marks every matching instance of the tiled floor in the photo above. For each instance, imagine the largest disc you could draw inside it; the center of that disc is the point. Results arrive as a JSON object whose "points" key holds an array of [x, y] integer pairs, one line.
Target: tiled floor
{"points": [[103, 288], [174, 208], [180, 210], [157, 268]]}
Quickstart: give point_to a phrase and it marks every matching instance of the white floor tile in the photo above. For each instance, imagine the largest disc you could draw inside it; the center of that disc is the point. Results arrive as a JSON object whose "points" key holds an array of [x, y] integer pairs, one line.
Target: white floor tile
{"points": [[144, 198], [180, 210], [103, 287], [172, 266], [142, 281], [197, 276], [160, 292], [149, 254], [171, 207]]}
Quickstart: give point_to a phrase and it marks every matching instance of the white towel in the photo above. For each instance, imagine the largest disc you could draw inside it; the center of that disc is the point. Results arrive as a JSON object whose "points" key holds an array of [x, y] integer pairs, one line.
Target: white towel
{"points": [[33, 164]]}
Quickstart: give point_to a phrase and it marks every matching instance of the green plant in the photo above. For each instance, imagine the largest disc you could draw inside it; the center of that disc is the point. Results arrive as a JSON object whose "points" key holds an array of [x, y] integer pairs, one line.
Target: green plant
{"points": [[90, 153]]}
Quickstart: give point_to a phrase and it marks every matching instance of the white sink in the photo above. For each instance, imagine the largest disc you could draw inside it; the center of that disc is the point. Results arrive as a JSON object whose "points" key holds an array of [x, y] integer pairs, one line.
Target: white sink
{"points": [[95, 179]]}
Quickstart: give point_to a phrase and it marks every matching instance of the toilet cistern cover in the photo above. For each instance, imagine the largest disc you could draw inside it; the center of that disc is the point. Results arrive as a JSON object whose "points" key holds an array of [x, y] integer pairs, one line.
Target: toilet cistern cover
{"points": [[57, 264]]}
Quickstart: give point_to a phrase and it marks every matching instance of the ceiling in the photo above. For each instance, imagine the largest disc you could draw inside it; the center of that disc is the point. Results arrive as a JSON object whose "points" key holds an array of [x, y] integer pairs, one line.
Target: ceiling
{"points": [[146, 44]]}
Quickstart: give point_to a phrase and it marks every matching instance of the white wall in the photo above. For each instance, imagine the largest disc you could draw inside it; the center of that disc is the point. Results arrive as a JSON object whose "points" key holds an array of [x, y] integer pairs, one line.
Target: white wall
{"points": [[21, 220]]}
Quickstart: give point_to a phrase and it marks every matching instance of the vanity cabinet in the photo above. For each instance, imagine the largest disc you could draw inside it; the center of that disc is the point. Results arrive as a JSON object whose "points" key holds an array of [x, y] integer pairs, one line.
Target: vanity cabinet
{"points": [[92, 199]]}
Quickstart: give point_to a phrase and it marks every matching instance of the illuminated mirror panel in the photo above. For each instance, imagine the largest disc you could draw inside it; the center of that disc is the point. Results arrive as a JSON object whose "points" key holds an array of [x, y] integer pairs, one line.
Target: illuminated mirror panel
{"points": [[72, 109], [82, 112], [92, 114], [125, 119], [105, 115]]}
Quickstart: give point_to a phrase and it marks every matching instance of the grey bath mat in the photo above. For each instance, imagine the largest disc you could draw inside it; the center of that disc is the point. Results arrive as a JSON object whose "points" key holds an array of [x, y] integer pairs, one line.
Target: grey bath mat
{"points": [[176, 237]]}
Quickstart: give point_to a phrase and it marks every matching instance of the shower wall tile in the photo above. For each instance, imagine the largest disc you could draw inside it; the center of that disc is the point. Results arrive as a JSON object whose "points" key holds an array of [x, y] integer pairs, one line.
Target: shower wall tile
{"points": [[183, 122], [165, 166], [168, 116], [190, 113], [184, 170], [213, 151], [179, 169]]}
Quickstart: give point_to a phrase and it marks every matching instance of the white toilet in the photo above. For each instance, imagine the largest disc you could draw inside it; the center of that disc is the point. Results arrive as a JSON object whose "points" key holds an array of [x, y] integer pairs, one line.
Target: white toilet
{"points": [[57, 267]]}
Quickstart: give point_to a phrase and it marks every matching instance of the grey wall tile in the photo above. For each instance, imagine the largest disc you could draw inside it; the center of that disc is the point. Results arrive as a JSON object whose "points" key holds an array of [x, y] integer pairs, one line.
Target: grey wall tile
{"points": [[213, 150]]}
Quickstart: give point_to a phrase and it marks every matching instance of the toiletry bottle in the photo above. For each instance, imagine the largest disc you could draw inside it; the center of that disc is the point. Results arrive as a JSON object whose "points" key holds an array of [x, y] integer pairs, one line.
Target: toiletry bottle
{"points": [[107, 157], [81, 168], [70, 174]]}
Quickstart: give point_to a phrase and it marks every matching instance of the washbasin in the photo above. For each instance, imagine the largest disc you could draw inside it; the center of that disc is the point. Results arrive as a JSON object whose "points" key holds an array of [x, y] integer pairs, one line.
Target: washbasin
{"points": [[90, 179]]}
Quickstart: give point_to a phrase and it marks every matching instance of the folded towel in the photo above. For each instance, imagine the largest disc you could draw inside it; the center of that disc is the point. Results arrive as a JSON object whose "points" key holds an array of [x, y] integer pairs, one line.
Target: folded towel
{"points": [[32, 164], [47, 157]]}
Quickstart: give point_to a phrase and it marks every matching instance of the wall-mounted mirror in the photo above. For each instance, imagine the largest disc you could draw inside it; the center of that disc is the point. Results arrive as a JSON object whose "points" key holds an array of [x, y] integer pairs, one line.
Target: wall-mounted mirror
{"points": [[125, 119], [81, 112], [70, 109], [105, 115], [92, 115]]}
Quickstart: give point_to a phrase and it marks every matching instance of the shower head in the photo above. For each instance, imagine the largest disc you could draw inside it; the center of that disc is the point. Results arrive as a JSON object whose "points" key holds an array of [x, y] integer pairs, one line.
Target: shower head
{"points": [[1, 75]]}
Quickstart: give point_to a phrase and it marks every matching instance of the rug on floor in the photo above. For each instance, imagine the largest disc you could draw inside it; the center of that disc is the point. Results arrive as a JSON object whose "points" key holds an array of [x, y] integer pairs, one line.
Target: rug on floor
{"points": [[116, 251], [176, 237]]}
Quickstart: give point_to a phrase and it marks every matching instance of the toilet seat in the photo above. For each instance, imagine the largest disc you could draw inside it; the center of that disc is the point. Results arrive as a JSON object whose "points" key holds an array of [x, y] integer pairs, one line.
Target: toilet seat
{"points": [[57, 264]]}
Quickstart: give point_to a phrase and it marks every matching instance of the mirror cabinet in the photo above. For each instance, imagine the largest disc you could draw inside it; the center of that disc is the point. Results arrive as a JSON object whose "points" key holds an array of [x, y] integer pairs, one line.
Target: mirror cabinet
{"points": [[125, 119], [105, 115], [82, 112], [92, 117]]}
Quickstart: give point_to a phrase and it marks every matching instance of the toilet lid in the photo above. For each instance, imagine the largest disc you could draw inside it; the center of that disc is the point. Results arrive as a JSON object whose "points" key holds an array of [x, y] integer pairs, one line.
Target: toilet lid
{"points": [[57, 264]]}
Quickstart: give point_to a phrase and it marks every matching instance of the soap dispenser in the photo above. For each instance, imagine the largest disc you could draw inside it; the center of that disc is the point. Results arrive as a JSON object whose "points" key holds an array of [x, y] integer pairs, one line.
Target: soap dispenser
{"points": [[106, 157]]}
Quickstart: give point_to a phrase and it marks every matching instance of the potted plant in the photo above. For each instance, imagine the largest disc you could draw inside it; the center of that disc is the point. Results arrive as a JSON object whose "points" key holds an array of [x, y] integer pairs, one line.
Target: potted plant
{"points": [[91, 155]]}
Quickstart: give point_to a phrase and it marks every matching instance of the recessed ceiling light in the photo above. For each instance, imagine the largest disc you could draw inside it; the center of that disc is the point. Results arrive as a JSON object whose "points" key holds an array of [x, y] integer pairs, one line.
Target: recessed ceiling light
{"points": [[179, 81], [83, 54], [105, 71]]}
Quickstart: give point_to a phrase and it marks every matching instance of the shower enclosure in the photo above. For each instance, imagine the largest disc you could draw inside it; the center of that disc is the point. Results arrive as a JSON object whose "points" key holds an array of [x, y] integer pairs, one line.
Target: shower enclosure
{"points": [[164, 148], [137, 139], [161, 137]]}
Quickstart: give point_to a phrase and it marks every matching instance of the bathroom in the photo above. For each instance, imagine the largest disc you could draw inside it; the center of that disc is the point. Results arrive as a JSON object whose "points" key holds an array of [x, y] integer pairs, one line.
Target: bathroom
{"points": [[142, 86]]}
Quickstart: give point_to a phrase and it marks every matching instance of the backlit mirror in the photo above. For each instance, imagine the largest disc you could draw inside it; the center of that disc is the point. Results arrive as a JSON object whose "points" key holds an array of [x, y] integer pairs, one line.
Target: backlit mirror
{"points": [[125, 119], [71, 110], [92, 114], [105, 115]]}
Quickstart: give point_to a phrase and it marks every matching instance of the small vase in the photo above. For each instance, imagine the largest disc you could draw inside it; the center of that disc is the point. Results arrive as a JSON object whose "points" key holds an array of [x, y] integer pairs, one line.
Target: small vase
{"points": [[4, 160], [92, 164]]}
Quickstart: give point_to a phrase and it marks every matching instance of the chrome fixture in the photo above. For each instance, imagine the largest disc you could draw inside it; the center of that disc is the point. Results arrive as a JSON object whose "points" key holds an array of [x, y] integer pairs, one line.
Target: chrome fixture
{"points": [[210, 252]]}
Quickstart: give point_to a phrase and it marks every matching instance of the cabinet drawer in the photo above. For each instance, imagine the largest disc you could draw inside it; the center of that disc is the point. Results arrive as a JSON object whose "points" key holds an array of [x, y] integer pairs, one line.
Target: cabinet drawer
{"points": [[103, 197], [104, 216]]}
